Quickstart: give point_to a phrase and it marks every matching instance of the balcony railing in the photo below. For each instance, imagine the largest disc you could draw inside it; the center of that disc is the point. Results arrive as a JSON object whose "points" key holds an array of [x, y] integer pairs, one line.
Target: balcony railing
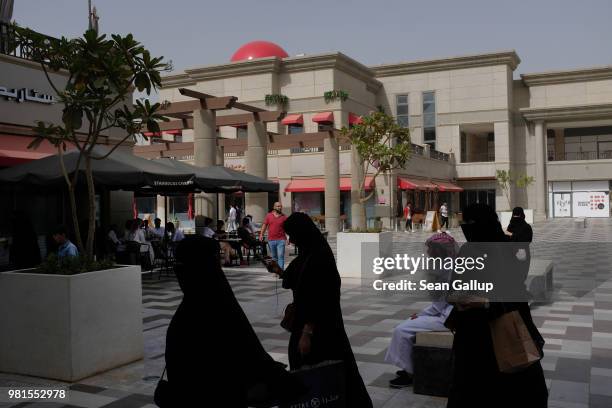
{"points": [[306, 149], [8, 44], [591, 155], [434, 154]]}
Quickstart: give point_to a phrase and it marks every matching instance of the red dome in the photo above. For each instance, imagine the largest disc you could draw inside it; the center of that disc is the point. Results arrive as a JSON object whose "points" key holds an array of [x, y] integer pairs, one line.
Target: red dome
{"points": [[258, 49]]}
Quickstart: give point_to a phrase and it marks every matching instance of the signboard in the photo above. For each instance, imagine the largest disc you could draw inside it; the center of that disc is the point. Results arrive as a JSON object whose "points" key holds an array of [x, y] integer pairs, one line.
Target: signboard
{"points": [[431, 221], [591, 204], [26, 94], [562, 204]]}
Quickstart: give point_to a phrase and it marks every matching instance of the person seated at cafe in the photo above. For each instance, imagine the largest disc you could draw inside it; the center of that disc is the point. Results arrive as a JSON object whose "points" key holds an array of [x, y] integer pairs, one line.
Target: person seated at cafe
{"points": [[157, 229], [66, 248], [208, 232], [220, 233], [137, 234], [173, 233], [251, 227], [247, 237], [127, 229]]}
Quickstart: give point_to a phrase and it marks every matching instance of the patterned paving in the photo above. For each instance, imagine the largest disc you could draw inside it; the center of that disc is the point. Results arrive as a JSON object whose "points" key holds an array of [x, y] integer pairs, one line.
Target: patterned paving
{"points": [[577, 326]]}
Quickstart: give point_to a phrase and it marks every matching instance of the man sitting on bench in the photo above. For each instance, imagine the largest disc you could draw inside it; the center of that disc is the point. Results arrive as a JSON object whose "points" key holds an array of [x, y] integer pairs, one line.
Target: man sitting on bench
{"points": [[248, 240], [431, 318]]}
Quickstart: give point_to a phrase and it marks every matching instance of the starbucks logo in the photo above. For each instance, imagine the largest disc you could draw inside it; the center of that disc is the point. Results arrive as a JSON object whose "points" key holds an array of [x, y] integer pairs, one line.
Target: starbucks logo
{"points": [[315, 403]]}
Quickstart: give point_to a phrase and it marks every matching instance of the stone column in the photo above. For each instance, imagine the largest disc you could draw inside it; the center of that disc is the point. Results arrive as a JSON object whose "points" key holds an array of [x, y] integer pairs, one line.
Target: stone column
{"points": [[332, 184], [540, 173], [205, 151], [257, 165], [220, 196], [358, 219]]}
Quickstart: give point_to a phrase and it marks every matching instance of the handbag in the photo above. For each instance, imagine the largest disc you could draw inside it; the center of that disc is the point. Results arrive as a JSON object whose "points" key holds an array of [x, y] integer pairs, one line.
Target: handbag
{"points": [[514, 348], [289, 318], [162, 396], [325, 385]]}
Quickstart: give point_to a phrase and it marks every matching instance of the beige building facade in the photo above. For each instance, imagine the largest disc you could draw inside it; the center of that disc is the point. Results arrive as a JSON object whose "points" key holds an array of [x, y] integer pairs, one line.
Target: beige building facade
{"points": [[468, 116]]}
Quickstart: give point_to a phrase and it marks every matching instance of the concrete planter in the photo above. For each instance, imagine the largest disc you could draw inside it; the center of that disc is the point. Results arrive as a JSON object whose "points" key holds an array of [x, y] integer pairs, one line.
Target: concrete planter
{"points": [[505, 216], [355, 251], [69, 327]]}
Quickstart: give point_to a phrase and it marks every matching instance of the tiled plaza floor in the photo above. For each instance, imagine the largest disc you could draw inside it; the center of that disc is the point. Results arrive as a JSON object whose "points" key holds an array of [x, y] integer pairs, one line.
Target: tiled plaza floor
{"points": [[577, 326]]}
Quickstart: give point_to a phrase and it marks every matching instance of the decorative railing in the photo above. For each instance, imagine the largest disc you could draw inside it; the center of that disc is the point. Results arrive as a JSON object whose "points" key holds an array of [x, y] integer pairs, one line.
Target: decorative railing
{"points": [[8, 43], [590, 155]]}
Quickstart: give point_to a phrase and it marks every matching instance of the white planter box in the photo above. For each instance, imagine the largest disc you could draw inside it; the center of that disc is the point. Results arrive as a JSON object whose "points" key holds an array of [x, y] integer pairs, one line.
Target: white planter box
{"points": [[505, 216], [69, 327], [353, 257]]}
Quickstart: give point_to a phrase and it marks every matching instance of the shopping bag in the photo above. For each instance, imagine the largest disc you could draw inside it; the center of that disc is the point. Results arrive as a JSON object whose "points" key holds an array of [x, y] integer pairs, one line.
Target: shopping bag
{"points": [[325, 384], [514, 347]]}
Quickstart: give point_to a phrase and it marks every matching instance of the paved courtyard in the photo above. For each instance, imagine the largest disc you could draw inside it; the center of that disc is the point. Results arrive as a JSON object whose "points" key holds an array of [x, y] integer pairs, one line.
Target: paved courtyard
{"points": [[577, 326]]}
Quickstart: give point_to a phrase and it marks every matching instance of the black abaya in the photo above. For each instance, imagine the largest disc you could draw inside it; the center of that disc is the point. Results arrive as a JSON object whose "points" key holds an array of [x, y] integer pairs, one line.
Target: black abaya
{"points": [[313, 277]]}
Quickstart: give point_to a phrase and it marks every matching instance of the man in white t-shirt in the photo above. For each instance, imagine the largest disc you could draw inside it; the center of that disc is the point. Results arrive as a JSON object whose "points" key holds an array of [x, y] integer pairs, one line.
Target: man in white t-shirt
{"points": [[444, 215]]}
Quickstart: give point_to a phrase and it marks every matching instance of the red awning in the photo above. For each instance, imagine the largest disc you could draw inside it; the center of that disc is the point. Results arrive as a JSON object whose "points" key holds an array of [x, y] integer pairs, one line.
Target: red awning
{"points": [[354, 119], [448, 186], [405, 183], [318, 184], [324, 117], [293, 120], [14, 150]]}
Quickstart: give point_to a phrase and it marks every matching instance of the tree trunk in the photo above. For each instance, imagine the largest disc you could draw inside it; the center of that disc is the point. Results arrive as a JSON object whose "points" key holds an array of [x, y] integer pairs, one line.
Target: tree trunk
{"points": [[358, 215], [72, 195], [91, 198]]}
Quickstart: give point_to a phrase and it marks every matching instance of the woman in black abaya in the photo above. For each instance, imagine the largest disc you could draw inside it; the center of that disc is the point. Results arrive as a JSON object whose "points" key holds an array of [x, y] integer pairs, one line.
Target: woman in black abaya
{"points": [[317, 332], [212, 353], [477, 381]]}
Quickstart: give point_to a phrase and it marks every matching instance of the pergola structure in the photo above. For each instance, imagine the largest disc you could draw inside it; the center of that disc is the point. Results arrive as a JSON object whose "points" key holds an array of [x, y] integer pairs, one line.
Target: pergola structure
{"points": [[200, 115]]}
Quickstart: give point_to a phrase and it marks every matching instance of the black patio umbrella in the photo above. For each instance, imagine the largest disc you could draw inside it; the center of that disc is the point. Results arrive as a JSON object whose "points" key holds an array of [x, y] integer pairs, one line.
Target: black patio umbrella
{"points": [[119, 171], [220, 179]]}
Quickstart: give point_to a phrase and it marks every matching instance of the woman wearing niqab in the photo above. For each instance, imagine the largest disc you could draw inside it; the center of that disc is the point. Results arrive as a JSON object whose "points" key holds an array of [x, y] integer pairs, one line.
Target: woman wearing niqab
{"points": [[477, 381], [212, 353], [317, 333]]}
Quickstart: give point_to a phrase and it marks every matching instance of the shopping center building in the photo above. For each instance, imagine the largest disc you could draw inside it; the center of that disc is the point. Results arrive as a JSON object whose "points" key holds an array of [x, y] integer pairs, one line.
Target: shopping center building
{"points": [[469, 116]]}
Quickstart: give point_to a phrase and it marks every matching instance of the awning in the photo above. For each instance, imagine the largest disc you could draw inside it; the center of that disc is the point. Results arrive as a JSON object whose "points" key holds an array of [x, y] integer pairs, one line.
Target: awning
{"points": [[448, 186], [405, 183], [14, 150], [324, 117], [318, 184], [354, 119], [293, 120]]}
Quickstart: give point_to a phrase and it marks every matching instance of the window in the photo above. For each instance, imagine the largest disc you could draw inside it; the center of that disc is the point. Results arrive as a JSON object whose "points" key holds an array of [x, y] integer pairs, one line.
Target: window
{"points": [[429, 118], [241, 132], [324, 126], [401, 113], [295, 128]]}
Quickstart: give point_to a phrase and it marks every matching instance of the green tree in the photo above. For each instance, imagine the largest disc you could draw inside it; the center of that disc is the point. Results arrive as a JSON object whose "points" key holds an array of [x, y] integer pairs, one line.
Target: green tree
{"points": [[506, 179], [383, 146], [101, 75]]}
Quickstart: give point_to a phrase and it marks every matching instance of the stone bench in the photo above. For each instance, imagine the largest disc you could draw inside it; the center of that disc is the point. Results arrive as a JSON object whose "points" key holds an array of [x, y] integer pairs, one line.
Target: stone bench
{"points": [[432, 358], [540, 280], [580, 222]]}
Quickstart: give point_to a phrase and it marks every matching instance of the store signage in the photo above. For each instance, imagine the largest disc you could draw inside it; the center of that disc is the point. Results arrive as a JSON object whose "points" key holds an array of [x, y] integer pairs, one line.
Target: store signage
{"points": [[26, 94], [591, 204], [563, 204]]}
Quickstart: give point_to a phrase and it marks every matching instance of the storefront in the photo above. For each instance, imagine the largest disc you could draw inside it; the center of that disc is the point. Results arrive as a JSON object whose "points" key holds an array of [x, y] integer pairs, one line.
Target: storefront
{"points": [[589, 199]]}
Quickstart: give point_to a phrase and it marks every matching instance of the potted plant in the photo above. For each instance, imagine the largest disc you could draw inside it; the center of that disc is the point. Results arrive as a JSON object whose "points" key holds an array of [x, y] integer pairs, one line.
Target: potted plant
{"points": [[506, 181], [334, 95], [73, 318], [279, 100], [383, 146]]}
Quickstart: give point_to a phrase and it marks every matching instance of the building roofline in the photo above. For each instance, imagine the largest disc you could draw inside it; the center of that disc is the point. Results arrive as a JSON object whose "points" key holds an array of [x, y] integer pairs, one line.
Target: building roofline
{"points": [[508, 57], [568, 76], [335, 60], [559, 113]]}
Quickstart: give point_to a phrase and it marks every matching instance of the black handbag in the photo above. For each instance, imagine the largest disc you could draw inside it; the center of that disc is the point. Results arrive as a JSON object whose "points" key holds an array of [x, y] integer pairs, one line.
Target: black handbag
{"points": [[162, 396], [289, 318]]}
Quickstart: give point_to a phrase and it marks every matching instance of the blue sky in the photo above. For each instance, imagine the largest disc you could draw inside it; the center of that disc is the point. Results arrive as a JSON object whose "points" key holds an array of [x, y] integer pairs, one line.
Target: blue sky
{"points": [[546, 34]]}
